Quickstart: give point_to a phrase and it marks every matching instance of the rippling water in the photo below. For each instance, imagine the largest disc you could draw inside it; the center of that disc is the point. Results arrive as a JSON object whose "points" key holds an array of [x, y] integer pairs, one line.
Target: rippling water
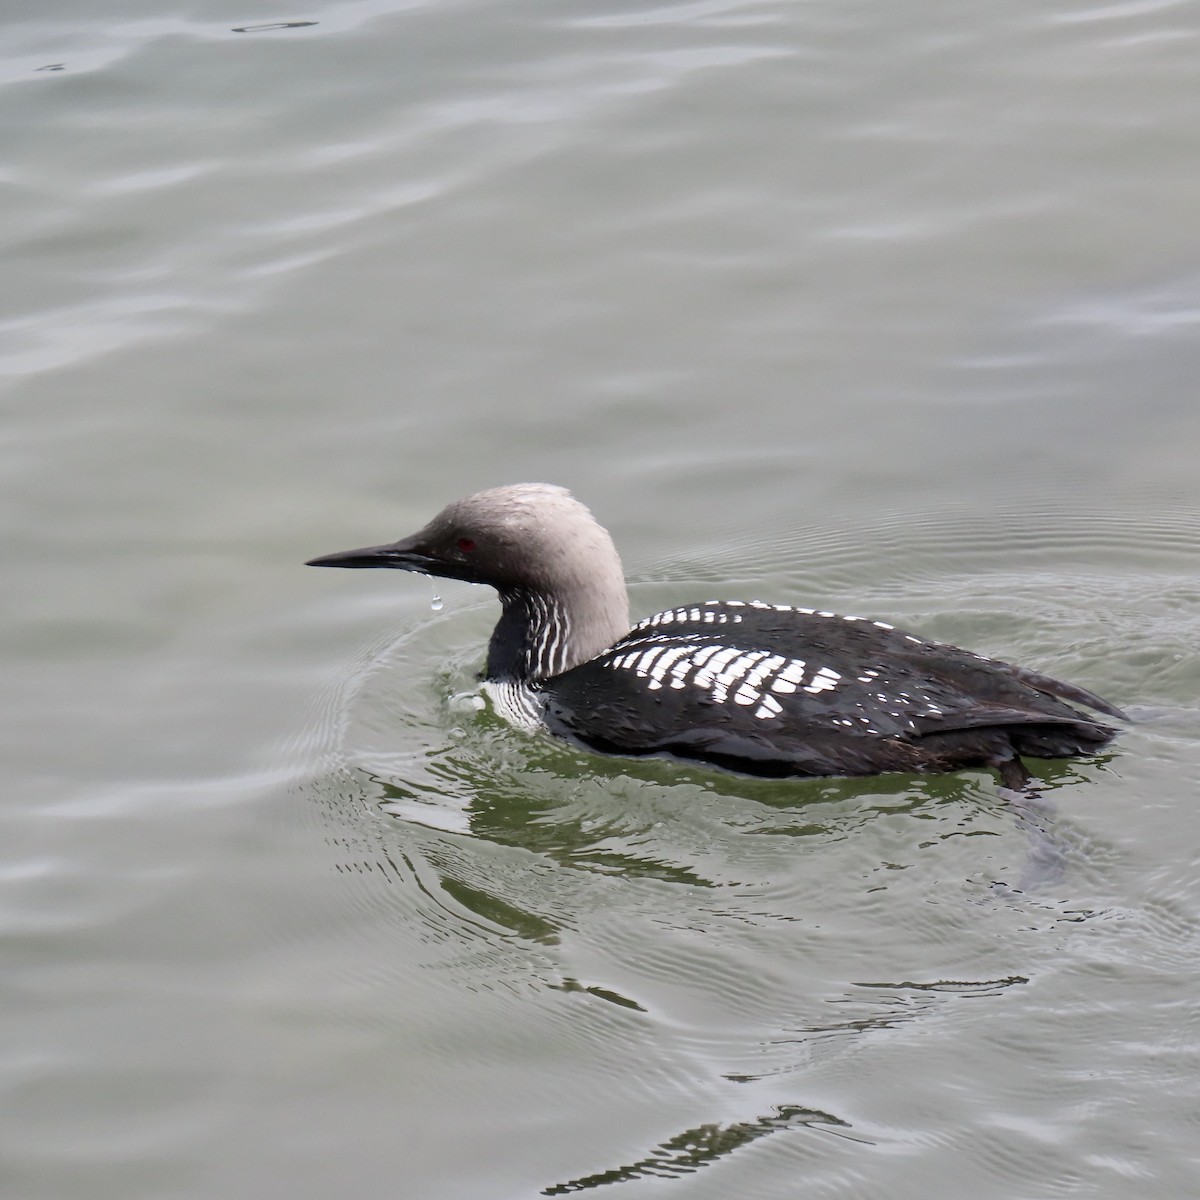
{"points": [[883, 309]]}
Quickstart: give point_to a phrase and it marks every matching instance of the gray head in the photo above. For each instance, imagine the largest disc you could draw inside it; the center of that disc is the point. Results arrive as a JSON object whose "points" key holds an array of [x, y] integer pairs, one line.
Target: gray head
{"points": [[555, 567]]}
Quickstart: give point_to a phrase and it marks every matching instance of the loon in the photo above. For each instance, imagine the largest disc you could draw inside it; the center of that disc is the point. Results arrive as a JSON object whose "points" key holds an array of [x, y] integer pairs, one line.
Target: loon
{"points": [[764, 689]]}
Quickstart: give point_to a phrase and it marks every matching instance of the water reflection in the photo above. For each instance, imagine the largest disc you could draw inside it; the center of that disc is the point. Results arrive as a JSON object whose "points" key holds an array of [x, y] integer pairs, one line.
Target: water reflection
{"points": [[491, 908], [886, 1006], [702, 1146], [272, 25], [648, 818], [573, 985], [714, 889]]}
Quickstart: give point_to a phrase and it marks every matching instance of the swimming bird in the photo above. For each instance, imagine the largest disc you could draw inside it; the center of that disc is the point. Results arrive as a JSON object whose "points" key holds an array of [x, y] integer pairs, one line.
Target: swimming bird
{"points": [[765, 689]]}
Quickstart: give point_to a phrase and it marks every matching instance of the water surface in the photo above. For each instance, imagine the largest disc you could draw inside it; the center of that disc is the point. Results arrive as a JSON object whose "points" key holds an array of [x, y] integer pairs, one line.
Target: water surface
{"points": [[891, 310]]}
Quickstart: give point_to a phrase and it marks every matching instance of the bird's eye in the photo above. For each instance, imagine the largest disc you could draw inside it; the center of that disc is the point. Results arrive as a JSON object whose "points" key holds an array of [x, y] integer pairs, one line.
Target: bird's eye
{"points": [[466, 545]]}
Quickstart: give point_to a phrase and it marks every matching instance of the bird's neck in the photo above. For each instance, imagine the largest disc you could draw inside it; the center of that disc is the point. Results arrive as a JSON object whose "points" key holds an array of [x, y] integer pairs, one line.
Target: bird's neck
{"points": [[540, 635]]}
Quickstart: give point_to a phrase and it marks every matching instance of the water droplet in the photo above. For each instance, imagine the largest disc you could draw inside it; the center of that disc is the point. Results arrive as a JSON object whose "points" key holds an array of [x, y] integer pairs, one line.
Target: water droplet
{"points": [[437, 604]]}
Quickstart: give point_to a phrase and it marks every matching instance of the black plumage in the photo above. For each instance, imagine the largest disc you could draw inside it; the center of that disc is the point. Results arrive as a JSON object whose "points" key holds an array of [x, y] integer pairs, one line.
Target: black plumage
{"points": [[898, 703]]}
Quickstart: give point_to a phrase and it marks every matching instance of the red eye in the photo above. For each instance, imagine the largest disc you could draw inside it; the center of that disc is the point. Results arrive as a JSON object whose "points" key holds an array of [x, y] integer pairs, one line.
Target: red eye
{"points": [[466, 545]]}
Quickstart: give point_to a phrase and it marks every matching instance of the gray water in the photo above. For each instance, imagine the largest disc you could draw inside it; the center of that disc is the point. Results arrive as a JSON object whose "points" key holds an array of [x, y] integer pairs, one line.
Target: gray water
{"points": [[883, 308]]}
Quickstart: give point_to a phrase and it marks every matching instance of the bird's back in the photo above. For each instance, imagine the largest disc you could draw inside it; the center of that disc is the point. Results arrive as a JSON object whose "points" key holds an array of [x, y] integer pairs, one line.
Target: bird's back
{"points": [[774, 690]]}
